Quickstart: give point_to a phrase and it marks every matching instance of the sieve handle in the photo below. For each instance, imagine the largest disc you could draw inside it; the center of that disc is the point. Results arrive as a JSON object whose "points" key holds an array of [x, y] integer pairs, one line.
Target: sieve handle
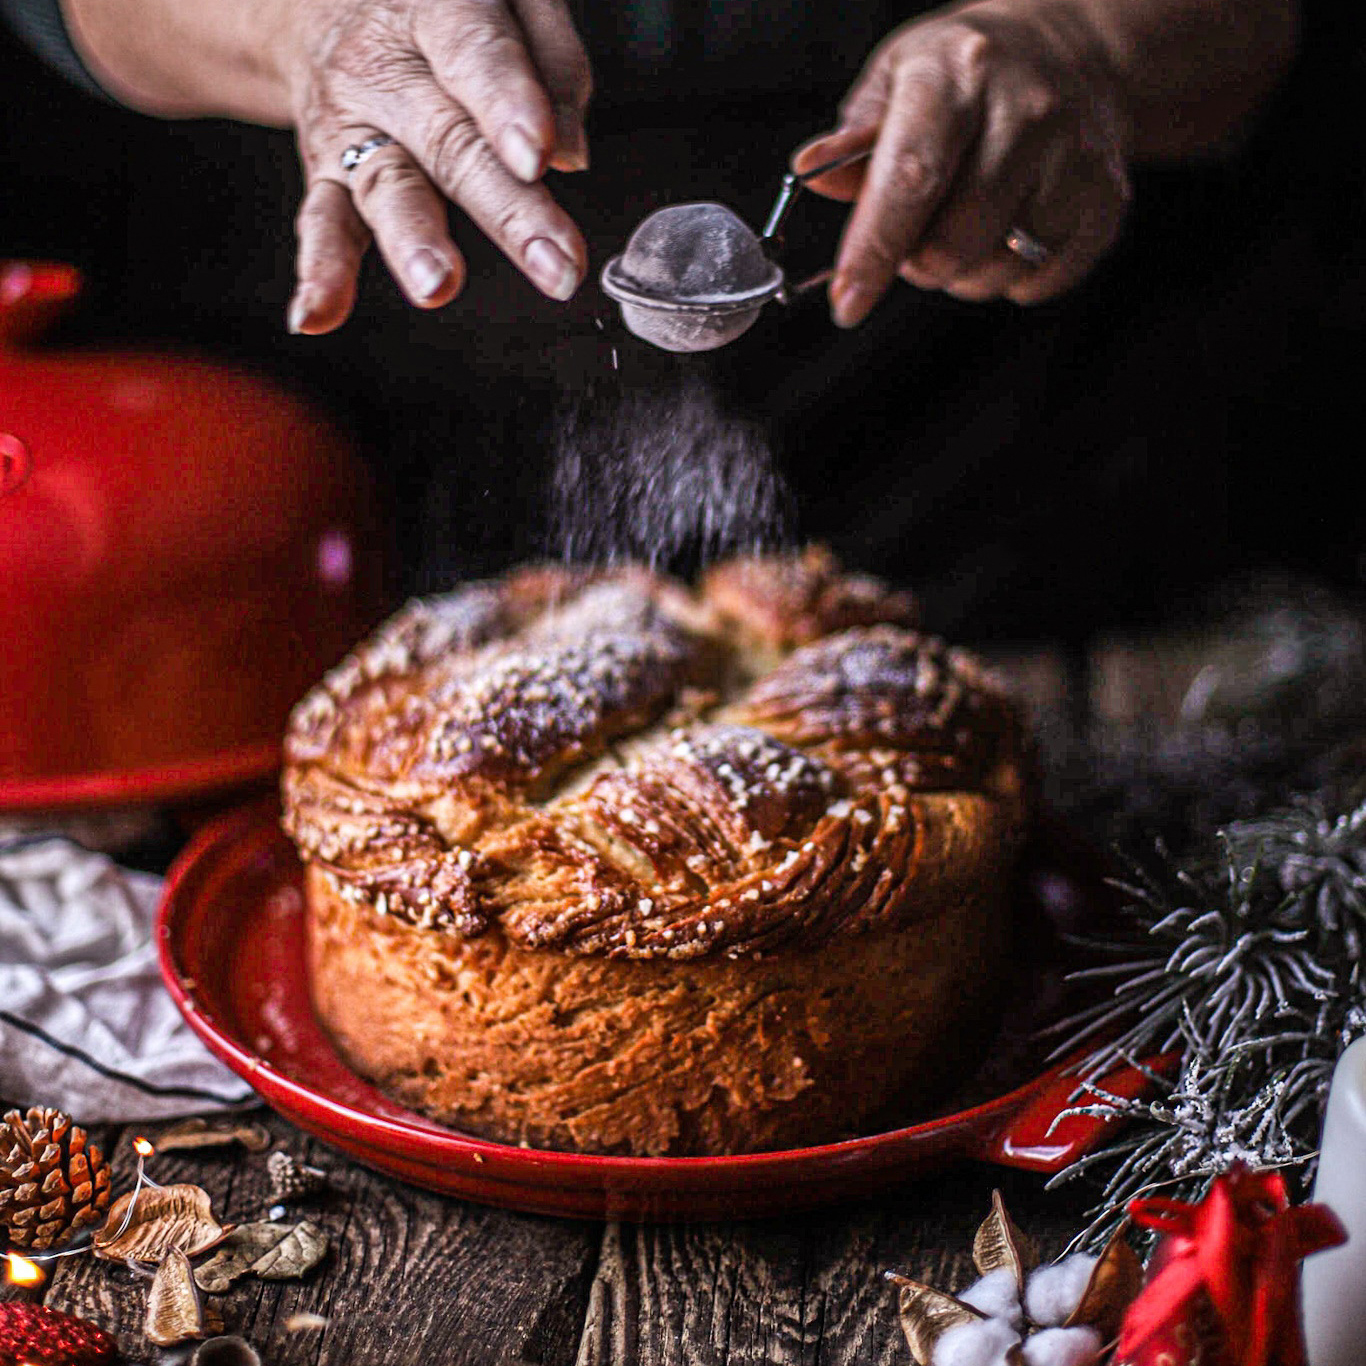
{"points": [[791, 186]]}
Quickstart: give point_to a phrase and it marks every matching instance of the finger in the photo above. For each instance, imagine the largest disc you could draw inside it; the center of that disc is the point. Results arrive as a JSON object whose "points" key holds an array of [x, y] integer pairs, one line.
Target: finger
{"points": [[846, 182], [559, 56], [523, 220], [1079, 225], [478, 55], [1068, 265], [928, 128], [408, 219], [1005, 165], [990, 279], [331, 241]]}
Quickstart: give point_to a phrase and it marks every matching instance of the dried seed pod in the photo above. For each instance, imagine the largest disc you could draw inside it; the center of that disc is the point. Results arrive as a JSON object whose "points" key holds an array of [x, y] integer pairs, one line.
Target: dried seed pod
{"points": [[174, 1312], [164, 1218], [1115, 1281], [927, 1314], [290, 1179], [191, 1134], [53, 1180], [1000, 1243]]}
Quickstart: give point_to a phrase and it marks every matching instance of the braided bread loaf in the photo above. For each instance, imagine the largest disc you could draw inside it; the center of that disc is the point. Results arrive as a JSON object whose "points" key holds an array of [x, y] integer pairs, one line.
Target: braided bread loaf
{"points": [[594, 862]]}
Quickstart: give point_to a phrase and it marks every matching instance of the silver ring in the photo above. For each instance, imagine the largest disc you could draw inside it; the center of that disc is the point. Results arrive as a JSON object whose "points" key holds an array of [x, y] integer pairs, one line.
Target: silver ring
{"points": [[354, 155], [1027, 247]]}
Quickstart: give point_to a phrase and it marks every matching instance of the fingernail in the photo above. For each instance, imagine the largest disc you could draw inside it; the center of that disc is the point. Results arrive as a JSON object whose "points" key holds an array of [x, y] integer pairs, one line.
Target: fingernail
{"points": [[812, 145], [554, 273], [520, 155], [571, 141], [300, 310], [850, 301], [427, 272]]}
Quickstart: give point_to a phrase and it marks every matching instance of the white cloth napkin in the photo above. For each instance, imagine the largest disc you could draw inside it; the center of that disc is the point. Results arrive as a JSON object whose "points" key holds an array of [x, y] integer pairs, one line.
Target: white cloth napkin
{"points": [[85, 1023]]}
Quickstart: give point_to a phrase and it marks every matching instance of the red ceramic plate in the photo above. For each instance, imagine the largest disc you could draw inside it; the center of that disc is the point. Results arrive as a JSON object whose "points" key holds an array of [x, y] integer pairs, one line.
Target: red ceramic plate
{"points": [[231, 943]]}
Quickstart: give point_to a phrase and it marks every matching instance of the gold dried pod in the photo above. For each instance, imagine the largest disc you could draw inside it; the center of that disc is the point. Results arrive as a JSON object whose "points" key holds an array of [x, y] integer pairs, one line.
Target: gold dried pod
{"points": [[174, 1312], [164, 1218], [927, 1314], [190, 1134], [1000, 1242], [1115, 1281]]}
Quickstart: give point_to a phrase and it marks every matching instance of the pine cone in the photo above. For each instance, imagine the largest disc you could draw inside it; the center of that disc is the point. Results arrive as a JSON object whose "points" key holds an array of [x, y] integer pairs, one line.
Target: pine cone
{"points": [[291, 1180], [53, 1182]]}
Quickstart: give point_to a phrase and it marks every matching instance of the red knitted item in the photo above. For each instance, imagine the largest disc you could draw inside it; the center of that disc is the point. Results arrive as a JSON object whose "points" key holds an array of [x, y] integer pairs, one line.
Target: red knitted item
{"points": [[29, 1333]]}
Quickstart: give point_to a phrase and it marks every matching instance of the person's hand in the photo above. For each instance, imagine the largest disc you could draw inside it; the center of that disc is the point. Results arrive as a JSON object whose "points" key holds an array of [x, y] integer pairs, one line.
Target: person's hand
{"points": [[479, 97], [982, 120]]}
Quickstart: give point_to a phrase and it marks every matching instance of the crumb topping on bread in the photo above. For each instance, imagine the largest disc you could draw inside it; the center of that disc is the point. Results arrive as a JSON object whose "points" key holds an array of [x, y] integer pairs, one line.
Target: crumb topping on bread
{"points": [[607, 763]]}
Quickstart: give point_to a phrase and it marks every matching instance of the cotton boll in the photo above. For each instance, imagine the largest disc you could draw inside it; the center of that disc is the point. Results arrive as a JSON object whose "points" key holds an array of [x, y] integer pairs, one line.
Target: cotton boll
{"points": [[1063, 1347], [1053, 1292], [997, 1296], [983, 1342]]}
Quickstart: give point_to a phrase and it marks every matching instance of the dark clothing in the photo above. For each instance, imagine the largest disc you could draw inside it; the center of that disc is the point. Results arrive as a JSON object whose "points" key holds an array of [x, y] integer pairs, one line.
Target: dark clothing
{"points": [[1061, 469], [40, 23]]}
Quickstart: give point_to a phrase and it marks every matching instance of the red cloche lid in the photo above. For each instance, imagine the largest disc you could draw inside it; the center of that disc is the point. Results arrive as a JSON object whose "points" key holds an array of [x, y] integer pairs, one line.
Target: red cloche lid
{"points": [[184, 548]]}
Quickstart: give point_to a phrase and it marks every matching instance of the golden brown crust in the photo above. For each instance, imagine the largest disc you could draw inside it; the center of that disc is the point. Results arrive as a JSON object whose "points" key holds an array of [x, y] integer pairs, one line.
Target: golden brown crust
{"points": [[785, 601], [709, 1055], [606, 764]]}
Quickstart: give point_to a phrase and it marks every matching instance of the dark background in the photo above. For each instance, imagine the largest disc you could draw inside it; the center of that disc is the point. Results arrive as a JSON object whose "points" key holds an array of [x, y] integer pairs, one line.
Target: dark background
{"points": [[1193, 410]]}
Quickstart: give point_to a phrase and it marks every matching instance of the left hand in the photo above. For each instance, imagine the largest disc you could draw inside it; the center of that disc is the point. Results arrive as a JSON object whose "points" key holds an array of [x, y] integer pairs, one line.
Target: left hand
{"points": [[986, 117]]}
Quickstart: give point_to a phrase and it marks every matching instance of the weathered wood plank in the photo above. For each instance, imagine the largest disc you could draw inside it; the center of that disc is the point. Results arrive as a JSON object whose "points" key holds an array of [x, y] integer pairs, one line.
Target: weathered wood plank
{"points": [[806, 1291], [410, 1276], [414, 1277]]}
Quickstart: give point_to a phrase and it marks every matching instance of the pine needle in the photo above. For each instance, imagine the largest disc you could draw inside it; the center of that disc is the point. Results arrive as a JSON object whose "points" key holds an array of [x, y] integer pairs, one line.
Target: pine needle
{"points": [[1250, 960]]}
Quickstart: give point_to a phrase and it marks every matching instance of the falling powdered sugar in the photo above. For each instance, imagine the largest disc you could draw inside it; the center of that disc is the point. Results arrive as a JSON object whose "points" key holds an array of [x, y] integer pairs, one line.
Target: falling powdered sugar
{"points": [[668, 481]]}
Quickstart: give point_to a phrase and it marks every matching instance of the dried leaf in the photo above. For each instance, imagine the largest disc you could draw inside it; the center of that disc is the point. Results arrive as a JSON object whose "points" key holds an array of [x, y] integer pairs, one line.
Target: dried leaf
{"points": [[927, 1314], [164, 1218], [218, 1133], [237, 1254], [999, 1242], [173, 1310], [1115, 1281], [228, 1351], [297, 1253]]}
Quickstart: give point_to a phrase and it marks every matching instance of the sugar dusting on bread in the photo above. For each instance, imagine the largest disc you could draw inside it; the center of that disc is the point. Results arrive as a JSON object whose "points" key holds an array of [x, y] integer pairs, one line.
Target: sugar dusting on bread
{"points": [[634, 770]]}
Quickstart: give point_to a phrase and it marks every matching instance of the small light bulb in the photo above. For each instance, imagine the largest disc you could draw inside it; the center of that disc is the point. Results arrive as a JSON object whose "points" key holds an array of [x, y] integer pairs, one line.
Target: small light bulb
{"points": [[21, 1271]]}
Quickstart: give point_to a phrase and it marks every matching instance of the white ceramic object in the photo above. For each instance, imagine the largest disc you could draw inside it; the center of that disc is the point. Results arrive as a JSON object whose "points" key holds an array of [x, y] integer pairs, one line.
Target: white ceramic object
{"points": [[1334, 1282]]}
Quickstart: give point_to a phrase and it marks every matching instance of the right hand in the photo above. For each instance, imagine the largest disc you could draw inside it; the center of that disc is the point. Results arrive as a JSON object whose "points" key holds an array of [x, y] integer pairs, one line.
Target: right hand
{"points": [[480, 97]]}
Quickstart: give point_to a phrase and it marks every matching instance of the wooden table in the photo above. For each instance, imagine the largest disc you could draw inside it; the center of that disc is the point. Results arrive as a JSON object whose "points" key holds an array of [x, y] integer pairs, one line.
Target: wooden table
{"points": [[413, 1277]]}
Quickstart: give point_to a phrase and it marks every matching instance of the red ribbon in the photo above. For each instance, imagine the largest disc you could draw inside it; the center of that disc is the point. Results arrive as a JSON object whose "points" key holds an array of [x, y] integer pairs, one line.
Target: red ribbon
{"points": [[1241, 1246]]}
